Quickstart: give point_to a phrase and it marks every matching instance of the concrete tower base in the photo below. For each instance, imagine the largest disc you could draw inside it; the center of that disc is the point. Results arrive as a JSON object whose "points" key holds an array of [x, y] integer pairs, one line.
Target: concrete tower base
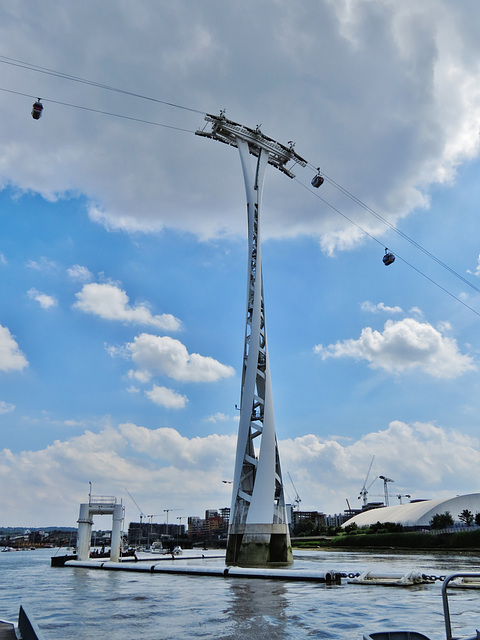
{"points": [[259, 545]]}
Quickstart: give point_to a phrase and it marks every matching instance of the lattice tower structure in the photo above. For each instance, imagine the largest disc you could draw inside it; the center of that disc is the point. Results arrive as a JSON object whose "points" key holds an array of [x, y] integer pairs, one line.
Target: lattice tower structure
{"points": [[258, 530]]}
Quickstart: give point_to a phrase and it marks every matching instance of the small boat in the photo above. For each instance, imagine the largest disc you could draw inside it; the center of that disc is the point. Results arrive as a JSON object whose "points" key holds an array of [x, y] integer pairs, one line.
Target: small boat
{"points": [[415, 635], [157, 547]]}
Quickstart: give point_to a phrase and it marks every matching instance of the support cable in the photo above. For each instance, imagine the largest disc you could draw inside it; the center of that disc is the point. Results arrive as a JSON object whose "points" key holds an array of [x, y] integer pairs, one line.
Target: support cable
{"points": [[47, 71], [105, 113], [398, 231], [452, 295], [59, 74]]}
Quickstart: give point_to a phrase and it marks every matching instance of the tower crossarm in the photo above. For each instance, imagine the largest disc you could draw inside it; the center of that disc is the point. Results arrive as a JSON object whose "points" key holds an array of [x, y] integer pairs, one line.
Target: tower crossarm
{"points": [[230, 132]]}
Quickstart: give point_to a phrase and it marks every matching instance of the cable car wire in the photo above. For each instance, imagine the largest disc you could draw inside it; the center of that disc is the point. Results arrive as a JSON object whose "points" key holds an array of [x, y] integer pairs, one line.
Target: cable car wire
{"points": [[105, 113], [331, 206], [398, 231], [66, 76], [45, 70], [59, 74], [346, 192]]}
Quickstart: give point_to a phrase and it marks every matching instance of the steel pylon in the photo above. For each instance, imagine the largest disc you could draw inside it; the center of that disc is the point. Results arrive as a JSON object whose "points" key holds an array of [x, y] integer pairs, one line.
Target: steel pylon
{"points": [[258, 529]]}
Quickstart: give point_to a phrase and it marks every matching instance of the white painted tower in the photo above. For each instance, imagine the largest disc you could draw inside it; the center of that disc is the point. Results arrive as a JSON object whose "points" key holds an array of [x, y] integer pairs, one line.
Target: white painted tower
{"points": [[258, 532]]}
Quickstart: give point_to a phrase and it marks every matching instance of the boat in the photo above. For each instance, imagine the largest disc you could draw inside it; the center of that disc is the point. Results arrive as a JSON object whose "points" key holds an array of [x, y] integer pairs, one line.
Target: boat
{"points": [[157, 547], [466, 579], [26, 629]]}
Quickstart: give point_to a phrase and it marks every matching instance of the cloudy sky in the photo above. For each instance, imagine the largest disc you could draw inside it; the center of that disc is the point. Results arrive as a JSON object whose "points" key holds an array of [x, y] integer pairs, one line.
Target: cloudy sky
{"points": [[123, 250]]}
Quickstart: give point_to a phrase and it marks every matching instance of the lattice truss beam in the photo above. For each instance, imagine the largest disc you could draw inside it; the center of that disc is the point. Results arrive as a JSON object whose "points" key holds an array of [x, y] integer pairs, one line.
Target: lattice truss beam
{"points": [[229, 132], [256, 351]]}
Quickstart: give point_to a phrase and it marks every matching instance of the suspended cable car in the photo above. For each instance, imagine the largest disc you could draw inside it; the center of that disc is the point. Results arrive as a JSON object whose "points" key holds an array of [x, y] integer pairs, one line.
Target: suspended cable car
{"points": [[318, 180], [388, 258], [37, 110]]}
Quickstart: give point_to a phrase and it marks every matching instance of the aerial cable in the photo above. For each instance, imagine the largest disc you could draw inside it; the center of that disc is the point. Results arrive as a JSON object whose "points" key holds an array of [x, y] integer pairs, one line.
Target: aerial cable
{"points": [[105, 113], [59, 74], [331, 206], [398, 231]]}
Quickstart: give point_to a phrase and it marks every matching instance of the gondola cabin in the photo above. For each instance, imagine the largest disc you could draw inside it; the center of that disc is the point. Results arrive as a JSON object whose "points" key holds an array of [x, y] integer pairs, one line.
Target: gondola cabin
{"points": [[37, 110], [318, 180], [388, 258]]}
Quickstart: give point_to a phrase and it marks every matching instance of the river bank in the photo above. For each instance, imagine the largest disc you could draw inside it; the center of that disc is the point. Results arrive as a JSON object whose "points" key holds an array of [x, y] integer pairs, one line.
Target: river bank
{"points": [[408, 540]]}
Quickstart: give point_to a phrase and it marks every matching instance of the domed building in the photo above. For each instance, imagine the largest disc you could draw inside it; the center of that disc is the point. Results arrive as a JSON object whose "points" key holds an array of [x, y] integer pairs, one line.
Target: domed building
{"points": [[418, 514]]}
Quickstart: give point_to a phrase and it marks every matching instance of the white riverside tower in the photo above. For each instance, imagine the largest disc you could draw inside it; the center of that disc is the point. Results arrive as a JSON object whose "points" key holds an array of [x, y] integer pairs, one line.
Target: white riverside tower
{"points": [[258, 534]]}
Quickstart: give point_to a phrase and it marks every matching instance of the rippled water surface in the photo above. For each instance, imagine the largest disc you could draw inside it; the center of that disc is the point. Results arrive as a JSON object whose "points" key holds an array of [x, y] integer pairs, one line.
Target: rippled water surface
{"points": [[83, 604]]}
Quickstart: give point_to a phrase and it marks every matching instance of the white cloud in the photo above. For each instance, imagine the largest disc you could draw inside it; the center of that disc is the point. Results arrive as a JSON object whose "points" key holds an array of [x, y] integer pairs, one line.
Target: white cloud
{"points": [[219, 417], [166, 397], [80, 273], [43, 299], [6, 407], [381, 306], [163, 355], [404, 345], [47, 485], [44, 264], [110, 302], [3, 259], [439, 464], [415, 311], [11, 358], [401, 82], [477, 270]]}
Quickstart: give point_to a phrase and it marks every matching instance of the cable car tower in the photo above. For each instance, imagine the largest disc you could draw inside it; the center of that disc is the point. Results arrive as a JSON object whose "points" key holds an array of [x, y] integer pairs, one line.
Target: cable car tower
{"points": [[258, 533]]}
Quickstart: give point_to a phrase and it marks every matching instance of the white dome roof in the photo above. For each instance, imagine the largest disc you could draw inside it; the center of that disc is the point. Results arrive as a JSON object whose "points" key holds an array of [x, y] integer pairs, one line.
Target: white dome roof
{"points": [[417, 514]]}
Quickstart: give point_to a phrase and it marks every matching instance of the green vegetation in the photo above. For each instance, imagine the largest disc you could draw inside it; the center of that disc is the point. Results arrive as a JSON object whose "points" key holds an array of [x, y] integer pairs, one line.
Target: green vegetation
{"points": [[442, 520], [389, 535], [466, 517]]}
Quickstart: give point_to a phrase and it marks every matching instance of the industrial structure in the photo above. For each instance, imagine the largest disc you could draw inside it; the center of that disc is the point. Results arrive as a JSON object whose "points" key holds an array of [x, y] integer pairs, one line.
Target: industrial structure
{"points": [[258, 532], [99, 505]]}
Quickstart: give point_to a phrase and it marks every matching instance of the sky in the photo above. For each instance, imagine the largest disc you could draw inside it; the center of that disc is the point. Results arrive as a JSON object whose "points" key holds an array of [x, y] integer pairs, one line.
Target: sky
{"points": [[123, 251]]}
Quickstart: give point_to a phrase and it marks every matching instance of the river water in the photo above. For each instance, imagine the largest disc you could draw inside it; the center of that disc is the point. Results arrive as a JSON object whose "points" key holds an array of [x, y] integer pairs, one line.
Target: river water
{"points": [[83, 604]]}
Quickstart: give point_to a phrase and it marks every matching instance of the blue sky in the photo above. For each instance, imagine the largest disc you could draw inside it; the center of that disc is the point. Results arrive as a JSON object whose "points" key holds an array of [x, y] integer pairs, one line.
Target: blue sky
{"points": [[123, 252]]}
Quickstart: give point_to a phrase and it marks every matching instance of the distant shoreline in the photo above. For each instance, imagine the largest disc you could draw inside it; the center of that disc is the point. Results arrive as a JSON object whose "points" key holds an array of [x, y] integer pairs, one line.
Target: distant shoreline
{"points": [[408, 541]]}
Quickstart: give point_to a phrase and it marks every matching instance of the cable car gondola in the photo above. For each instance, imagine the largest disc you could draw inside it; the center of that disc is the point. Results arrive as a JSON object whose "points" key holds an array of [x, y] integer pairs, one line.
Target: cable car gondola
{"points": [[318, 180], [388, 258], [37, 110]]}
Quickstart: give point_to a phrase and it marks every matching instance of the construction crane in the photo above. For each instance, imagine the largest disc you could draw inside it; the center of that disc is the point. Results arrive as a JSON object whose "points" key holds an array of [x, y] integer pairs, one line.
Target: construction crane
{"points": [[364, 490], [296, 502], [385, 487], [404, 495], [151, 516], [142, 515], [167, 511]]}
